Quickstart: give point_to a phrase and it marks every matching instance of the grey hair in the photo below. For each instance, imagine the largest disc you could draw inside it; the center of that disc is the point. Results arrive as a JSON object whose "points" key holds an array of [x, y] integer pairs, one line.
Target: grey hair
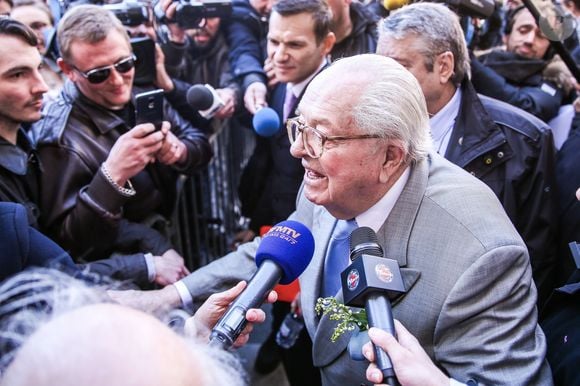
{"points": [[34, 297], [437, 27], [392, 105], [31, 299]]}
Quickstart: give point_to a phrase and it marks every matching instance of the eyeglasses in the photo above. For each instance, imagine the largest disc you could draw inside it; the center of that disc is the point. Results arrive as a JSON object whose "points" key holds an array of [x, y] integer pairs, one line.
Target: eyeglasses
{"points": [[313, 140], [101, 74]]}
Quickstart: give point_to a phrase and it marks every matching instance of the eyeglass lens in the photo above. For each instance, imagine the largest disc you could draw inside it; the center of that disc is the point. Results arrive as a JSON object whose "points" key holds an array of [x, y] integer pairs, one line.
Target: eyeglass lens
{"points": [[100, 75]]}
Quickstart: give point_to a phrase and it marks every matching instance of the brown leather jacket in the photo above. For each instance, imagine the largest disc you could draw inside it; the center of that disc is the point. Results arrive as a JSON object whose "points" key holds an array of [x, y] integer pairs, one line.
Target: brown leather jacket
{"points": [[82, 210]]}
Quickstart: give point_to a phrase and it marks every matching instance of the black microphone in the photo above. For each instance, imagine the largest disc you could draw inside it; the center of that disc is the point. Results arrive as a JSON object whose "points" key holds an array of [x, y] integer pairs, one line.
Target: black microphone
{"points": [[368, 282], [204, 99], [284, 253]]}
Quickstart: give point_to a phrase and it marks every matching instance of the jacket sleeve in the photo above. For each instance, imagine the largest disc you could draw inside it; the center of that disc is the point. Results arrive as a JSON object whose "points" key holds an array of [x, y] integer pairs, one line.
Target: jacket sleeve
{"points": [[222, 273], [120, 267], [537, 221], [78, 219], [543, 101], [246, 54], [492, 310]]}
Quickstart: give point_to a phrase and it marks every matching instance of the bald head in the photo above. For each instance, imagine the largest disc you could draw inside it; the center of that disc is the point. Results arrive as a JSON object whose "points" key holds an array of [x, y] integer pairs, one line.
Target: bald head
{"points": [[107, 344]]}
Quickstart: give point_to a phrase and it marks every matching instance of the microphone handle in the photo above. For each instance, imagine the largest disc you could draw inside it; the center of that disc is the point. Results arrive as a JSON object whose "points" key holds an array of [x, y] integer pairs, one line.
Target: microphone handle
{"points": [[231, 324], [379, 314]]}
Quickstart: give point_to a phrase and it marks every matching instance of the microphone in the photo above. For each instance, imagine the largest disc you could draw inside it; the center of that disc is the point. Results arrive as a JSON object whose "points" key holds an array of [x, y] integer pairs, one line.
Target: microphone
{"points": [[204, 99], [284, 253], [266, 122], [368, 282]]}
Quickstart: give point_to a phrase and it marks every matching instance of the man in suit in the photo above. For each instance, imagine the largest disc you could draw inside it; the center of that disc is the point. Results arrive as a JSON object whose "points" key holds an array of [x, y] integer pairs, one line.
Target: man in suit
{"points": [[299, 39], [505, 147], [363, 137]]}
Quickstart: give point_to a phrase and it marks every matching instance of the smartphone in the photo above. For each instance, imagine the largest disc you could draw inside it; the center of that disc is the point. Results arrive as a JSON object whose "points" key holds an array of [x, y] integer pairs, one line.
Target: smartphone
{"points": [[149, 108]]}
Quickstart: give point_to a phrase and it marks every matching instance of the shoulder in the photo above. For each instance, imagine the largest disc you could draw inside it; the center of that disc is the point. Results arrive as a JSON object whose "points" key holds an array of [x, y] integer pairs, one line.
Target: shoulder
{"points": [[514, 119], [465, 207]]}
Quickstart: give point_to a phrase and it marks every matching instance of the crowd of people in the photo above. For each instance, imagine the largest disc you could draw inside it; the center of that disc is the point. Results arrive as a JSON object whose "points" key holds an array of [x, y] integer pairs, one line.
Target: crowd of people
{"points": [[431, 126]]}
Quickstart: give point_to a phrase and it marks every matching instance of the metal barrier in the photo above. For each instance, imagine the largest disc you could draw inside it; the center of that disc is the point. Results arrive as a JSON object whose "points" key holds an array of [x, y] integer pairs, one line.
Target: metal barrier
{"points": [[208, 213]]}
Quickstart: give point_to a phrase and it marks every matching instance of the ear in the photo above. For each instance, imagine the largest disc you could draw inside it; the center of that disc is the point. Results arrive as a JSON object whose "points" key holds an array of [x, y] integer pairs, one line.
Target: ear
{"points": [[328, 43], [445, 63], [394, 158], [66, 69]]}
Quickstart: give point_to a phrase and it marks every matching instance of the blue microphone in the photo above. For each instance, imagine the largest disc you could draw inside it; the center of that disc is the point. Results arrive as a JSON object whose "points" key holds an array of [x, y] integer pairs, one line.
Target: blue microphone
{"points": [[266, 122], [284, 253]]}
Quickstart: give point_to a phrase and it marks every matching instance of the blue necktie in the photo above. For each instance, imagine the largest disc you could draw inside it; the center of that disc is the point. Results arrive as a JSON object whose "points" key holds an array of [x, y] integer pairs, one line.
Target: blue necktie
{"points": [[337, 256]]}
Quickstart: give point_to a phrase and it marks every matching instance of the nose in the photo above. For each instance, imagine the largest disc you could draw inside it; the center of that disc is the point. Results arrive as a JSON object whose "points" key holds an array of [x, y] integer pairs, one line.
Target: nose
{"points": [[297, 148], [39, 86], [116, 78], [280, 53], [529, 37]]}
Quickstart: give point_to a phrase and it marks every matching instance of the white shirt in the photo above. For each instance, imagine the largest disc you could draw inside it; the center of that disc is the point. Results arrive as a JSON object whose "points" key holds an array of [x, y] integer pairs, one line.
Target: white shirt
{"points": [[442, 123]]}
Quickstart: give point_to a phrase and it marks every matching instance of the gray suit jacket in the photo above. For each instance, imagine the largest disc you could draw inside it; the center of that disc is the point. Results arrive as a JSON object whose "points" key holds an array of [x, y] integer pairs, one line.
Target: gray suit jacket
{"points": [[470, 297]]}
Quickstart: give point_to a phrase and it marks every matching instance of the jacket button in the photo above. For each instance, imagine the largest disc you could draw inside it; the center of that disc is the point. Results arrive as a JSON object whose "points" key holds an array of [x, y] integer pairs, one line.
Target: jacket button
{"points": [[500, 154], [488, 160], [460, 141]]}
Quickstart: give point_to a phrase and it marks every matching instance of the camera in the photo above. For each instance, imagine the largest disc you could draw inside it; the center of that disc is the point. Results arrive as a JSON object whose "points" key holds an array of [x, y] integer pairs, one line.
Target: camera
{"points": [[481, 9], [130, 13], [189, 14]]}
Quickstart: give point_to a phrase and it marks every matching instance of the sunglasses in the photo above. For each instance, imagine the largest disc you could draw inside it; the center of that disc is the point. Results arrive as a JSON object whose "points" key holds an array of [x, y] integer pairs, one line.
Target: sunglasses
{"points": [[101, 74]]}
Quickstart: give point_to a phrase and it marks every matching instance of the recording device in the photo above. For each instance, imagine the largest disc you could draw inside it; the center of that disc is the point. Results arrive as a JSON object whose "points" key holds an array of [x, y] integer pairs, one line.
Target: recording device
{"points": [[149, 108], [282, 256], [130, 13], [204, 99], [189, 14], [266, 122], [144, 50], [369, 281]]}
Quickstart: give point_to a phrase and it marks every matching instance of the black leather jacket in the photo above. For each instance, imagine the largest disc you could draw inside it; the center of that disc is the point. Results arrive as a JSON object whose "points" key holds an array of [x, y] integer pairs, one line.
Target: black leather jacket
{"points": [[83, 211], [513, 153]]}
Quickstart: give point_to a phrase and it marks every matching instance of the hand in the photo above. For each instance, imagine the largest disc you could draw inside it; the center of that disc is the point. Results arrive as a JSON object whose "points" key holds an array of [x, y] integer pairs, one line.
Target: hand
{"points": [[255, 97], [228, 96], [169, 268], [270, 73], [133, 151], [162, 79], [216, 305], [172, 151], [242, 237], [411, 363]]}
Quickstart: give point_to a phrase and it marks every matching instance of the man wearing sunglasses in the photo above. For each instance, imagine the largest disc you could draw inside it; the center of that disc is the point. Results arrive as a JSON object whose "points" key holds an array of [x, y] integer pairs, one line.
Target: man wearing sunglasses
{"points": [[105, 177]]}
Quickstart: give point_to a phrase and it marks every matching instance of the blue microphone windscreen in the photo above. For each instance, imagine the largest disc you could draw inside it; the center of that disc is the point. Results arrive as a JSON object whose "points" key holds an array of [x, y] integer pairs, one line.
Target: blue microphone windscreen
{"points": [[266, 122], [290, 245]]}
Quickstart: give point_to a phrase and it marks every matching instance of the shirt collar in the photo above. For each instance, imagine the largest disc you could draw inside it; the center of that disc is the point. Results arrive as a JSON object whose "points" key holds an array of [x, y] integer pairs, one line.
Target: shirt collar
{"points": [[377, 214]]}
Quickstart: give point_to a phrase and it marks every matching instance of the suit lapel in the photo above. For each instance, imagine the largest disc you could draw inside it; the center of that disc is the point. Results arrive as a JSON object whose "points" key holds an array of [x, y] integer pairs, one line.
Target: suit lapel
{"points": [[394, 237]]}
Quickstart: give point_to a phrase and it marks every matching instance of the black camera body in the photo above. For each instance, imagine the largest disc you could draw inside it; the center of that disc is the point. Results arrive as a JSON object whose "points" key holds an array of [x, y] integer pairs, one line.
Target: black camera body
{"points": [[481, 9], [130, 13], [189, 14]]}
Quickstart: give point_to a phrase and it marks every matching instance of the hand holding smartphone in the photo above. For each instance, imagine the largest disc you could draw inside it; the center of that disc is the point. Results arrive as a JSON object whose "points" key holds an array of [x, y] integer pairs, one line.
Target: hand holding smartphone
{"points": [[149, 108]]}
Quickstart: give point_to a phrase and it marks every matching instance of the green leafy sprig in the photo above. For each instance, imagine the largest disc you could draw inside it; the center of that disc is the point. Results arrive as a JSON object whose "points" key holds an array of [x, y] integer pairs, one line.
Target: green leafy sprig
{"points": [[347, 318]]}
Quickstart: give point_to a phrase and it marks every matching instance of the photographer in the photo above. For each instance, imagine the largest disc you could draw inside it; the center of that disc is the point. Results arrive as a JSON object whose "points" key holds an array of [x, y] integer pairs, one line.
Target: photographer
{"points": [[105, 176], [196, 52]]}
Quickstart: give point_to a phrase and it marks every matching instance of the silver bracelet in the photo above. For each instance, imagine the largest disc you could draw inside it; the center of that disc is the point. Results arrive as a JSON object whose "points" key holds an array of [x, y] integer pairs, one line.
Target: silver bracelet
{"points": [[129, 191]]}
